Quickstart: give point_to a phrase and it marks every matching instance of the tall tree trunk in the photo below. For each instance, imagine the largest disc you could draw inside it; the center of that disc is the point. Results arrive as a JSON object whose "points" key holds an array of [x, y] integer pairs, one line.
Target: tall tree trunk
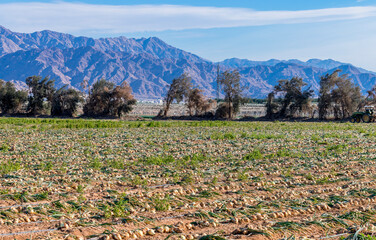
{"points": [[167, 108]]}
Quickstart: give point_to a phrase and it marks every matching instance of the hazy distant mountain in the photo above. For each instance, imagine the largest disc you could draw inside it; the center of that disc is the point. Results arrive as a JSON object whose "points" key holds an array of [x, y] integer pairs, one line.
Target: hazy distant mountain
{"points": [[242, 63], [149, 65]]}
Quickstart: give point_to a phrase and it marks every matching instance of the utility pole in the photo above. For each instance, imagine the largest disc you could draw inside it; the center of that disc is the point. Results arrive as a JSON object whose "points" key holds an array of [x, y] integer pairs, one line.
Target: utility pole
{"points": [[217, 82]]}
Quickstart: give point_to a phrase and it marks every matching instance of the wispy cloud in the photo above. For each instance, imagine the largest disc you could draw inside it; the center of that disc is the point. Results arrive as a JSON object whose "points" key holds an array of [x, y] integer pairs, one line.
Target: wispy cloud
{"points": [[91, 18]]}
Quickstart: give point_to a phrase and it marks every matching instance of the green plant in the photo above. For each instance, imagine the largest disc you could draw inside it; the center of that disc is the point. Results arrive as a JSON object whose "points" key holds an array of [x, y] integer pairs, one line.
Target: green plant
{"points": [[161, 204], [254, 155], [4, 147], [187, 179], [212, 237], [158, 160], [80, 188], [47, 166], [116, 164], [9, 167], [95, 164], [138, 181], [40, 196]]}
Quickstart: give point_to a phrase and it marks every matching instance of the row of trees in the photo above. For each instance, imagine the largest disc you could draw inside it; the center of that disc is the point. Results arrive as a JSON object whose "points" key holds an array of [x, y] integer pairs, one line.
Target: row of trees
{"points": [[182, 90], [106, 99], [42, 98], [338, 97]]}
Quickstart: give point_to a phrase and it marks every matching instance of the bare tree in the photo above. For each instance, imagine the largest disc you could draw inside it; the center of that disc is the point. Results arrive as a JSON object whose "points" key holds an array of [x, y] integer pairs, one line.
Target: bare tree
{"points": [[197, 104], [369, 100], [122, 100]]}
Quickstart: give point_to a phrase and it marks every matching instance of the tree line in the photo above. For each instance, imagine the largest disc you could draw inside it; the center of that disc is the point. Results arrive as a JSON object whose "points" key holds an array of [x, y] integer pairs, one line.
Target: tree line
{"points": [[338, 96], [42, 98], [106, 99]]}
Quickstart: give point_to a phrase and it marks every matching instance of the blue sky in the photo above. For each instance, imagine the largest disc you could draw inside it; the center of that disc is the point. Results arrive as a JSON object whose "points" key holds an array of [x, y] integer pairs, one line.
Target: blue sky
{"points": [[344, 30]]}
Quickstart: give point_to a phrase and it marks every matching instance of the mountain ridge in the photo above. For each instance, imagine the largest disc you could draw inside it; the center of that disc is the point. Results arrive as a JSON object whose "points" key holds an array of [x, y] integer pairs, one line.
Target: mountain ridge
{"points": [[148, 64]]}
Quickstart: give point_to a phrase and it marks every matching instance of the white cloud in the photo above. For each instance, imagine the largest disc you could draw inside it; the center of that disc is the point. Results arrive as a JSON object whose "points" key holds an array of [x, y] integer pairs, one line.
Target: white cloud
{"points": [[89, 18]]}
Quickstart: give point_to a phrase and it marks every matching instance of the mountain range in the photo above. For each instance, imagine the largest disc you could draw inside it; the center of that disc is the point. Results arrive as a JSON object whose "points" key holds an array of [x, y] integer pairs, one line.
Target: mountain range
{"points": [[148, 64]]}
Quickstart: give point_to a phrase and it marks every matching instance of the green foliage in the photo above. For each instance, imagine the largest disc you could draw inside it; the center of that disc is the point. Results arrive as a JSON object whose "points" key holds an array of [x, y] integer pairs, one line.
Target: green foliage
{"points": [[47, 166], [116, 164], [4, 147], [222, 136], [95, 164], [338, 94], [161, 204], [193, 160], [230, 82], [187, 179], [40, 196], [309, 176], [283, 153], [42, 91], [254, 155], [242, 176], [207, 194], [212, 237], [80, 188], [323, 180], [11, 100], [363, 236], [9, 167], [158, 160], [293, 98], [54, 123], [65, 102], [337, 148], [107, 100], [287, 225], [138, 181], [265, 136], [179, 90]]}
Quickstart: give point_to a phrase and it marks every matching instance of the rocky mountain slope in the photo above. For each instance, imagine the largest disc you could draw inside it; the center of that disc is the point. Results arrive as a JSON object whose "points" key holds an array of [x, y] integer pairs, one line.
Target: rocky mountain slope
{"points": [[149, 65]]}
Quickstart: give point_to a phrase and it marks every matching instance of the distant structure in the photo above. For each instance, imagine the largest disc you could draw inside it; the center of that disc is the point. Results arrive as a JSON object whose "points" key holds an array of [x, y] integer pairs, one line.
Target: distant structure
{"points": [[150, 101]]}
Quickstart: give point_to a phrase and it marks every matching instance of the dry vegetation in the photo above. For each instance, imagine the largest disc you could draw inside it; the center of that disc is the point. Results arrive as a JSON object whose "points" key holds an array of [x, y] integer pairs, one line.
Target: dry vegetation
{"points": [[82, 179]]}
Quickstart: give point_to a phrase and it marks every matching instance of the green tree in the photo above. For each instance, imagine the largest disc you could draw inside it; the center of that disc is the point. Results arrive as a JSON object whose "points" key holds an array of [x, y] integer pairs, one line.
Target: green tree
{"points": [[65, 102], [41, 92], [107, 100], [293, 98], [179, 90], [338, 95], [230, 82], [11, 100], [271, 106]]}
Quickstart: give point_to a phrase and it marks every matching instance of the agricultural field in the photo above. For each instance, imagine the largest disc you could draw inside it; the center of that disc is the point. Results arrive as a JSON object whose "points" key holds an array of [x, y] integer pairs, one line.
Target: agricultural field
{"points": [[91, 179]]}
